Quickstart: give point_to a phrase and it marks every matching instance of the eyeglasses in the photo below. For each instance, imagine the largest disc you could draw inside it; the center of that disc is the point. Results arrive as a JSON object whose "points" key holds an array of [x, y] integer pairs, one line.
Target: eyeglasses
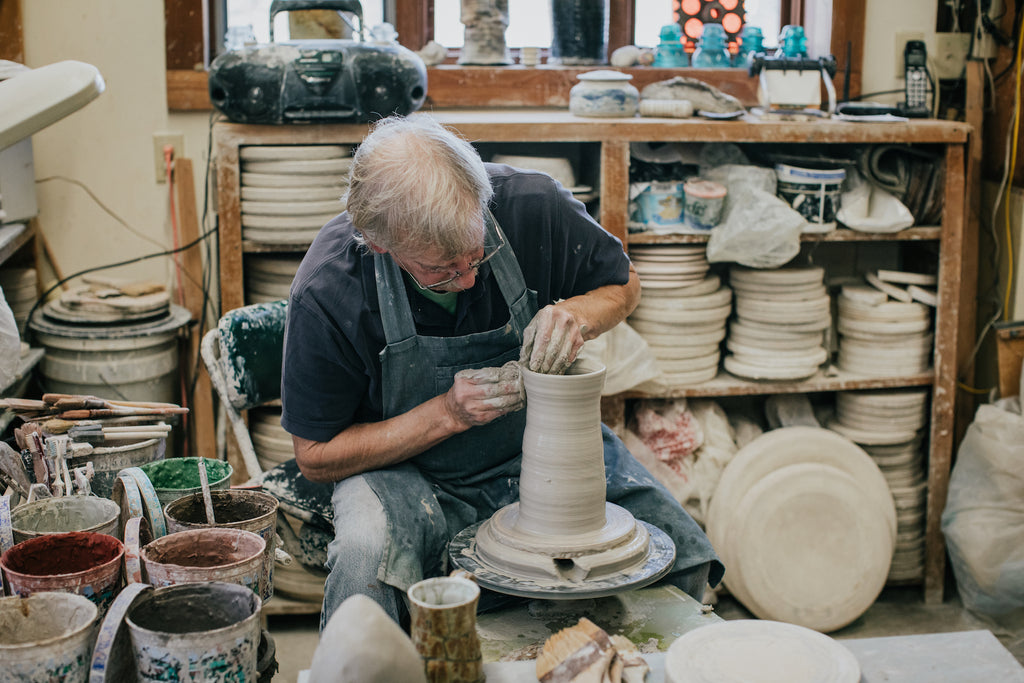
{"points": [[472, 267]]}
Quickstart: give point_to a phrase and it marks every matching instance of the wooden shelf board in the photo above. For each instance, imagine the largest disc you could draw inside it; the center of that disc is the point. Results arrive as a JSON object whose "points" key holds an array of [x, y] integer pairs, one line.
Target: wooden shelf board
{"points": [[841, 235], [835, 380], [13, 237]]}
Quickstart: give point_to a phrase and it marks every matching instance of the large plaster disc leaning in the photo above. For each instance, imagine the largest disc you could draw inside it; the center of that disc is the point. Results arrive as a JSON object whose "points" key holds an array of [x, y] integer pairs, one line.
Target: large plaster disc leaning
{"points": [[752, 651], [562, 539], [810, 547]]}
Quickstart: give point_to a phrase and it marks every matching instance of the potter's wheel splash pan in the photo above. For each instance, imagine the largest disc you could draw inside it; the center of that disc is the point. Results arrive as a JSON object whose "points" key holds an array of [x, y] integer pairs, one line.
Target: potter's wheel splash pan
{"points": [[656, 563]]}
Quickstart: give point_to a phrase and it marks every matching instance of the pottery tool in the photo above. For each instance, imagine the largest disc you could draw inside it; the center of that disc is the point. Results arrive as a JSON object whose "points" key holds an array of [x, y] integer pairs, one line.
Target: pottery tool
{"points": [[207, 499], [123, 433]]}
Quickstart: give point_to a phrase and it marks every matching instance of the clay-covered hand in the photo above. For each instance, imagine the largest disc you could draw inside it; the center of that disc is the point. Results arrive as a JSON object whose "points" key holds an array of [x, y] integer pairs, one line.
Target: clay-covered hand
{"points": [[485, 394], [551, 341]]}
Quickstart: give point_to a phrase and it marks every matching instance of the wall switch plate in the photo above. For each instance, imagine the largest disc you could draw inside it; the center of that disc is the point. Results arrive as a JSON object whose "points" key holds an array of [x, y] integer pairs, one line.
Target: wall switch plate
{"points": [[902, 37], [950, 56], [175, 140]]}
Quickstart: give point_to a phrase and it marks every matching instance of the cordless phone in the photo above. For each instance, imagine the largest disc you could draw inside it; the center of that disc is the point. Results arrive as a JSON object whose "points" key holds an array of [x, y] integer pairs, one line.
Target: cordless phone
{"points": [[915, 65]]}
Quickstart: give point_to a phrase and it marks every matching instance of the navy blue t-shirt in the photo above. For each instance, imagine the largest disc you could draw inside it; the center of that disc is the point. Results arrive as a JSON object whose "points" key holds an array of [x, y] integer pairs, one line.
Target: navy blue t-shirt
{"points": [[332, 374]]}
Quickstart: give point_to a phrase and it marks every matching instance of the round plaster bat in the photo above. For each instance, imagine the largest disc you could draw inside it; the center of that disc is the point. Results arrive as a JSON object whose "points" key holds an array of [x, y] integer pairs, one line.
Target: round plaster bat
{"points": [[361, 644]]}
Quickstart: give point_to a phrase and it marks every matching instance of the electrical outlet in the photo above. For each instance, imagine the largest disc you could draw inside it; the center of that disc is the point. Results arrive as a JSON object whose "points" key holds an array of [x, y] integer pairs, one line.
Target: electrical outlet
{"points": [[950, 56], [901, 42], [160, 140]]}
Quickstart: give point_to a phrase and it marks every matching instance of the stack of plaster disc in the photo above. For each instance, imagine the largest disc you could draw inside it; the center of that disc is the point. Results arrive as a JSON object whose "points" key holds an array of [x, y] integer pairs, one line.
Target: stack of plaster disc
{"points": [[882, 337], [269, 277], [663, 266], [683, 327], [273, 445], [778, 332], [19, 285], [288, 192], [889, 425]]}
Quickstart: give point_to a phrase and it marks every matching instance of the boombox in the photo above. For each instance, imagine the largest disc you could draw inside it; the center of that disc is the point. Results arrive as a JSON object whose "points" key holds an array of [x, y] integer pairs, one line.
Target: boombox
{"points": [[317, 81]]}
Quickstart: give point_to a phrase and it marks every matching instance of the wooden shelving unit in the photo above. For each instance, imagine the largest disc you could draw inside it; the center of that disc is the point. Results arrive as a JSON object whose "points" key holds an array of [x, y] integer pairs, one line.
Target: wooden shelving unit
{"points": [[613, 137]]}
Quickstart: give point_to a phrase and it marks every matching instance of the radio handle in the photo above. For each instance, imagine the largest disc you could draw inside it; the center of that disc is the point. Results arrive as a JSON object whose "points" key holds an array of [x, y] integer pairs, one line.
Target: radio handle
{"points": [[278, 6]]}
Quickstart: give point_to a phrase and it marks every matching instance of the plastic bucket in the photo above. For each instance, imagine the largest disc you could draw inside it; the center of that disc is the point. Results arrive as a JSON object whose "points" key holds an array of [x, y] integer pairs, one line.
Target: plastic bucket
{"points": [[814, 193], [46, 637], [176, 477], [659, 205], [107, 461], [253, 511], [67, 513], [703, 204], [85, 563], [202, 555], [196, 632]]}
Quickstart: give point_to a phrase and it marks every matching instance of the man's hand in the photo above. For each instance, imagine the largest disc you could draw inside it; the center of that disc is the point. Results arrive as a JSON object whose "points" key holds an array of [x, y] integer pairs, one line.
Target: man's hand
{"points": [[481, 396], [551, 341]]}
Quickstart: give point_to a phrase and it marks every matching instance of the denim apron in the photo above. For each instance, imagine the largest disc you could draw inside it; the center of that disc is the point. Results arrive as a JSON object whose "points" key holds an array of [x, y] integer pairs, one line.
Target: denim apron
{"points": [[466, 478]]}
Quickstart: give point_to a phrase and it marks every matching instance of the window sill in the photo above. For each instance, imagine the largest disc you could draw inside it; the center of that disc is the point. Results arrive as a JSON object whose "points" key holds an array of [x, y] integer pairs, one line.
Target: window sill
{"points": [[485, 86]]}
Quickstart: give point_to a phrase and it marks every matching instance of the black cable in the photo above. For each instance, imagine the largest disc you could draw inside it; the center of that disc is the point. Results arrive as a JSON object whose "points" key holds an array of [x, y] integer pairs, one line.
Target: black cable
{"points": [[872, 94]]}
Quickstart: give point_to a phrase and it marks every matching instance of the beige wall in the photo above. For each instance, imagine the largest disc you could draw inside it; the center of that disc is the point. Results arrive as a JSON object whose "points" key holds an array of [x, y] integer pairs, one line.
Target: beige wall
{"points": [[108, 144]]}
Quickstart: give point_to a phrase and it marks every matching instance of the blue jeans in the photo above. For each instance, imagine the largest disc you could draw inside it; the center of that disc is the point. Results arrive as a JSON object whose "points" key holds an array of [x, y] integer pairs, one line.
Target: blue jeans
{"points": [[356, 553]]}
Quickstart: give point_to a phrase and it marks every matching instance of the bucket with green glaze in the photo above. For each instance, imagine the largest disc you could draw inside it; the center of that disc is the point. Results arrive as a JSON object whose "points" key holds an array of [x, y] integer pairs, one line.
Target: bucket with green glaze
{"points": [[176, 477]]}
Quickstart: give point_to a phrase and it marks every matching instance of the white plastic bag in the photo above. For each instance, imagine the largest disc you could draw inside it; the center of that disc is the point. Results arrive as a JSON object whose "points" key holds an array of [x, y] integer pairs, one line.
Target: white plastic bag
{"points": [[984, 516], [10, 345], [628, 359], [868, 208], [757, 229]]}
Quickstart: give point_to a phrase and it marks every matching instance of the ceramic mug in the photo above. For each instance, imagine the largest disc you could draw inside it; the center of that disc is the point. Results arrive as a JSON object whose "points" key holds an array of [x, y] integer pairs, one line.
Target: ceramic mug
{"points": [[443, 627]]}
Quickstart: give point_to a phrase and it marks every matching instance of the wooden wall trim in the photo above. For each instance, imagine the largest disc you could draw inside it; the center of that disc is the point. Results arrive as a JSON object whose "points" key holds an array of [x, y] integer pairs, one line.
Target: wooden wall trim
{"points": [[12, 43]]}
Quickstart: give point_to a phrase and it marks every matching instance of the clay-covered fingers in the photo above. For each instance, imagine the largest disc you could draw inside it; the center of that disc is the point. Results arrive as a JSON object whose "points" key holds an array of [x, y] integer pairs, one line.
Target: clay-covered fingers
{"points": [[551, 341], [483, 395]]}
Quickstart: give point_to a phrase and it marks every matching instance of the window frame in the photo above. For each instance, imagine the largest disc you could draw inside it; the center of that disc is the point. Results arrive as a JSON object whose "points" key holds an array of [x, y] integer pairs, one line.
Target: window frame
{"points": [[189, 23]]}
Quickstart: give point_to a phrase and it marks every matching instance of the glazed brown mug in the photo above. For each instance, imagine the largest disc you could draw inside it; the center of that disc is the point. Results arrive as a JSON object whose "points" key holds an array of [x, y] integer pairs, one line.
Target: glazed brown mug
{"points": [[443, 627]]}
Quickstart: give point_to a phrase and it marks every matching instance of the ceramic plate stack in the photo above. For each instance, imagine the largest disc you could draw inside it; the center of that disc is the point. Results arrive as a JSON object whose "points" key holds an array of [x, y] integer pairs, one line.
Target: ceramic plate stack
{"points": [[782, 315], [684, 327], [272, 443], [269, 277], [889, 425], [881, 337], [19, 285], [803, 519], [663, 266], [289, 192]]}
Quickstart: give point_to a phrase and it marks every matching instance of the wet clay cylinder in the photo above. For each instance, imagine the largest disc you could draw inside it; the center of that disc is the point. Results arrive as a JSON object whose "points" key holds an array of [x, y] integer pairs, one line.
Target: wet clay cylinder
{"points": [[199, 555], [84, 563], [253, 511], [562, 485], [46, 637], [64, 514], [200, 632]]}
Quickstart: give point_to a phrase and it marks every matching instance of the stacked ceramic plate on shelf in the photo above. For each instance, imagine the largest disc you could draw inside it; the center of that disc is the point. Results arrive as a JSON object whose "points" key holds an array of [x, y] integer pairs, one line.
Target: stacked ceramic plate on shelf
{"points": [[273, 445], [889, 425], [882, 337], [682, 311], [804, 521], [269, 277], [782, 315], [19, 285], [288, 192]]}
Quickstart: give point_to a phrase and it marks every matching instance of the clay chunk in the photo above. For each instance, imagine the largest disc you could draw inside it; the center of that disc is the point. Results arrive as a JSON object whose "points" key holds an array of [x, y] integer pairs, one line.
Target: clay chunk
{"points": [[585, 653]]}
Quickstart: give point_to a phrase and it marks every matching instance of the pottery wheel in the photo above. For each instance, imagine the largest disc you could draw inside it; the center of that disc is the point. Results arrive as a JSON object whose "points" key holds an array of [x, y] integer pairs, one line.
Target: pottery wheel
{"points": [[540, 573]]}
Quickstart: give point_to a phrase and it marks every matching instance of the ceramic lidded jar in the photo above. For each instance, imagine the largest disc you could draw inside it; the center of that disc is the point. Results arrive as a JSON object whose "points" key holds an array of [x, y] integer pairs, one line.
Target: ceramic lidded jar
{"points": [[604, 93]]}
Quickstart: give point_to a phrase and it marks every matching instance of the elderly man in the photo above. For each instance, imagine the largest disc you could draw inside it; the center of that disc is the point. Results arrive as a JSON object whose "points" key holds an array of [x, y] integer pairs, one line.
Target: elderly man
{"points": [[402, 314]]}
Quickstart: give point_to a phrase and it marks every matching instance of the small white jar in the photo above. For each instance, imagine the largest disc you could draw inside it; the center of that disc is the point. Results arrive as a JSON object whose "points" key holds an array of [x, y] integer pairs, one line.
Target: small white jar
{"points": [[604, 93]]}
